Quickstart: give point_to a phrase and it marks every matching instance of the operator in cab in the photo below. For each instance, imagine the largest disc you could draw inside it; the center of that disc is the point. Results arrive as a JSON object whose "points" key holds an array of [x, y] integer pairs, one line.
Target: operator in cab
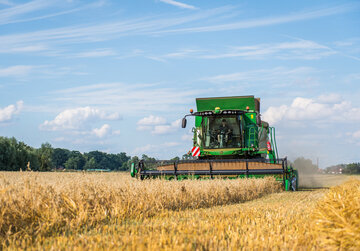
{"points": [[224, 133]]}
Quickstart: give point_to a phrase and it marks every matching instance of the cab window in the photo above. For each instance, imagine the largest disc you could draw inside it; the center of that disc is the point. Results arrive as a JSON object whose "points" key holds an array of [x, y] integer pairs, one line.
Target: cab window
{"points": [[221, 132]]}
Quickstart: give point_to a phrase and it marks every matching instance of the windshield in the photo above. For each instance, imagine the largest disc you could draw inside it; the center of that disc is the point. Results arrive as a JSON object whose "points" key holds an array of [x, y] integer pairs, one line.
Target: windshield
{"points": [[221, 131]]}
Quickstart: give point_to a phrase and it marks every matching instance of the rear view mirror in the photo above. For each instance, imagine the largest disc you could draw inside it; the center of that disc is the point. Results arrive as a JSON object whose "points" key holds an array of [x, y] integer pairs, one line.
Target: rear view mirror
{"points": [[183, 124]]}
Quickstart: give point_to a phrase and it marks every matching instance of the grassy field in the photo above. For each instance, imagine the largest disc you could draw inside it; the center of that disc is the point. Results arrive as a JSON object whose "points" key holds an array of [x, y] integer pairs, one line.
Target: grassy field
{"points": [[77, 211]]}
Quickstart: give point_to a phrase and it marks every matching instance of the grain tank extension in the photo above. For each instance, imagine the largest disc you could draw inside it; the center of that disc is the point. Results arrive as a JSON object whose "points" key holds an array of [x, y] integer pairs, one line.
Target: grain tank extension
{"points": [[230, 141]]}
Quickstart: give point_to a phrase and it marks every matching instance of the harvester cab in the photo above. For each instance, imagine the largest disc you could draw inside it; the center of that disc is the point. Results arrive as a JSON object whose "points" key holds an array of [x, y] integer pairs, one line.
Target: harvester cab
{"points": [[230, 141], [233, 130]]}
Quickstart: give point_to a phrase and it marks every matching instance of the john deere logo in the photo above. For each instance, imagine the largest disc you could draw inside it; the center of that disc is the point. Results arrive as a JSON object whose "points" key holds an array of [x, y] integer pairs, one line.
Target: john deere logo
{"points": [[221, 152]]}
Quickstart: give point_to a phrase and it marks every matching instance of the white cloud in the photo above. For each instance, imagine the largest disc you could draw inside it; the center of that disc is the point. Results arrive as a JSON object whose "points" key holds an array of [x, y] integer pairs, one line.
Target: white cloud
{"points": [[299, 49], [6, 2], [356, 134], [178, 4], [7, 113], [151, 120], [302, 49], [306, 109], [7, 14], [15, 71], [171, 144], [142, 149], [13, 14], [129, 98], [267, 21], [180, 54], [29, 48], [343, 43], [347, 42], [165, 129], [103, 31], [150, 26], [187, 137], [330, 98], [262, 75], [157, 125], [152, 148], [102, 131], [96, 53], [148, 123], [77, 118]]}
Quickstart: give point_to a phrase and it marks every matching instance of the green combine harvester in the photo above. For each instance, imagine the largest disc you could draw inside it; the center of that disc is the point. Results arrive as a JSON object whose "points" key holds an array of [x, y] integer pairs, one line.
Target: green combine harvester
{"points": [[230, 141]]}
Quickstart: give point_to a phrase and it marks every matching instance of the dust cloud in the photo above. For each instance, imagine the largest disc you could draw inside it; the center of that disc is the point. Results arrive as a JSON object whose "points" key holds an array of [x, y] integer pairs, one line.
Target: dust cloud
{"points": [[310, 176], [321, 180]]}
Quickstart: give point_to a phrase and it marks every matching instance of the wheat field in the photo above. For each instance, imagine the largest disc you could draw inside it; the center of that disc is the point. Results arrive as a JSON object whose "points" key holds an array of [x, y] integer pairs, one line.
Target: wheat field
{"points": [[77, 211]]}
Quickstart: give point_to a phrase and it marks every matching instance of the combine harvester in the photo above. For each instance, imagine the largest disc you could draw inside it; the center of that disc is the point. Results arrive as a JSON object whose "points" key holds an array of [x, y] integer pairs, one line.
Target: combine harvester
{"points": [[230, 141]]}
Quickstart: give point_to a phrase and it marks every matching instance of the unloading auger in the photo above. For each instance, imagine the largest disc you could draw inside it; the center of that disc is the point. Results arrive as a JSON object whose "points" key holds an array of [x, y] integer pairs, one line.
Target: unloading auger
{"points": [[230, 141]]}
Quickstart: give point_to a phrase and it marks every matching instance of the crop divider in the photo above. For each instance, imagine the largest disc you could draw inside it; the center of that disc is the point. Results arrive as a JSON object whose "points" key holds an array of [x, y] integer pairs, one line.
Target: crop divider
{"points": [[247, 169], [175, 170], [211, 170]]}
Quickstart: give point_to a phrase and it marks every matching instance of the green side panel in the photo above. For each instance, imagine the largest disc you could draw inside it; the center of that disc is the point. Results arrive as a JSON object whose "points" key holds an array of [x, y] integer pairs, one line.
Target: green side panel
{"points": [[251, 130], [250, 118], [198, 120], [225, 103]]}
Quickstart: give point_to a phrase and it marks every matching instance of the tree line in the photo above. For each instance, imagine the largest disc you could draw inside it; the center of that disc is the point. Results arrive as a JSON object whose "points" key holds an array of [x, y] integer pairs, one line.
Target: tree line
{"points": [[16, 155], [352, 168]]}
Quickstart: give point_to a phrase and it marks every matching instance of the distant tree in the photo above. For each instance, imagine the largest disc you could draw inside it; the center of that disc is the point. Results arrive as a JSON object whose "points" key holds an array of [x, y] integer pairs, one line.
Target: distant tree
{"points": [[90, 164], [123, 157], [8, 154], [16, 155], [72, 163], [147, 158], [97, 155], [33, 159], [108, 160], [352, 168], [44, 156], [24, 155], [175, 158], [75, 161], [59, 157], [117, 160], [187, 156], [150, 163]]}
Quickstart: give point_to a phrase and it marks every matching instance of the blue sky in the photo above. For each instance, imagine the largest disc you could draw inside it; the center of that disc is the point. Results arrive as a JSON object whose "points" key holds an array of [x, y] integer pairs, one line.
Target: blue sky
{"points": [[118, 75]]}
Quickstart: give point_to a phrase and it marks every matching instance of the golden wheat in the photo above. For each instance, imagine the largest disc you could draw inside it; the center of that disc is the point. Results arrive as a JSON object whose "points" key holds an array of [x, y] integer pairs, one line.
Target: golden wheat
{"points": [[34, 206], [111, 211], [337, 218], [274, 222]]}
